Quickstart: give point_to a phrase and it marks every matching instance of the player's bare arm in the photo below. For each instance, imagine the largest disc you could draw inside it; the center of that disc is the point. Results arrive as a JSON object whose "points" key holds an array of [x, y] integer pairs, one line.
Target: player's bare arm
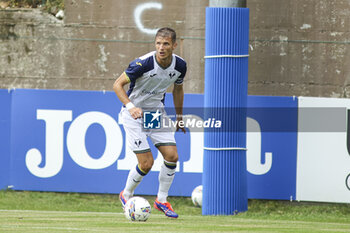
{"points": [[178, 98], [118, 88]]}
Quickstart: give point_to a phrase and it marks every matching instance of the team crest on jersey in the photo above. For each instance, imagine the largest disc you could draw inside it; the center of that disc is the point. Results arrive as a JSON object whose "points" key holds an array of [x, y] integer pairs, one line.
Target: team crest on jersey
{"points": [[138, 142], [171, 75]]}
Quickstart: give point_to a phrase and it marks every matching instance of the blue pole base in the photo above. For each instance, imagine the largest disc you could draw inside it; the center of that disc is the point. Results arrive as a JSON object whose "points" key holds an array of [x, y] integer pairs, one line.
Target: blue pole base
{"points": [[224, 183]]}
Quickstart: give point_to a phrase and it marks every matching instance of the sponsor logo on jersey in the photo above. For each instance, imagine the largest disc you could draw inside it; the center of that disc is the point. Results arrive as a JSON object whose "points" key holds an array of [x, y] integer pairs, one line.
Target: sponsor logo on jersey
{"points": [[150, 92]]}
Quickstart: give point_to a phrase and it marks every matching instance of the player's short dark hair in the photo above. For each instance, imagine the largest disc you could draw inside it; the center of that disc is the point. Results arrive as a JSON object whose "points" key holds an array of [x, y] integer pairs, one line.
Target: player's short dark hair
{"points": [[167, 32]]}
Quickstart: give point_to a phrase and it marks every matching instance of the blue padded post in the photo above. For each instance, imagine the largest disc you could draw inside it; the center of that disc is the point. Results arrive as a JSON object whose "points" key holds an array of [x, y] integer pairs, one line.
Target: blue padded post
{"points": [[225, 99]]}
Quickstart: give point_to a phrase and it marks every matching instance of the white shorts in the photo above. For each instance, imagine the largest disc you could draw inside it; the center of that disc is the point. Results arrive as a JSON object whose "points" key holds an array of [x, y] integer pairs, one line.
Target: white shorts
{"points": [[136, 135]]}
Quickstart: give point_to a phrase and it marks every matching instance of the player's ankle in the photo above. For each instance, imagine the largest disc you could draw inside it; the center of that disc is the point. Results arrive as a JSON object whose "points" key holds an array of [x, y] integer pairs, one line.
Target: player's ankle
{"points": [[127, 195], [162, 197]]}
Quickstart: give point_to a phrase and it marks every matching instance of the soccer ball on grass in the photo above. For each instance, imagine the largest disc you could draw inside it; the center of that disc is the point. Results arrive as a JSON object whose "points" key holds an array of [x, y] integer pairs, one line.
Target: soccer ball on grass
{"points": [[137, 209], [197, 195]]}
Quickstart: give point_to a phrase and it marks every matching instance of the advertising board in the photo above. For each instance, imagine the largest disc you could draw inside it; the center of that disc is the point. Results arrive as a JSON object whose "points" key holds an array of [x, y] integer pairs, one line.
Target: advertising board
{"points": [[73, 141], [5, 117], [323, 150]]}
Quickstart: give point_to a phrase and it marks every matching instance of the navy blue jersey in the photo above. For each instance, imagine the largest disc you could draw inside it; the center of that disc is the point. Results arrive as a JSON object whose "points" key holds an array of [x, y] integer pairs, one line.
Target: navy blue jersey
{"points": [[149, 81]]}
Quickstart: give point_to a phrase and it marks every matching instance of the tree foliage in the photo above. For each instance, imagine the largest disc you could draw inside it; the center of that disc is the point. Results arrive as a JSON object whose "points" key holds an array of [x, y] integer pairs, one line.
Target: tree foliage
{"points": [[51, 6]]}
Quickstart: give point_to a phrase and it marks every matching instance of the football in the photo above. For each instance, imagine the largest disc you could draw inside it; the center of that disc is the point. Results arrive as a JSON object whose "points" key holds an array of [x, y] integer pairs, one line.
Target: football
{"points": [[137, 209], [197, 195]]}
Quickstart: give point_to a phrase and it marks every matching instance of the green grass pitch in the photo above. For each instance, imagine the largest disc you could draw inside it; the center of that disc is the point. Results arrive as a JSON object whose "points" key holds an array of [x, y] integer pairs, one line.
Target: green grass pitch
{"points": [[71, 212]]}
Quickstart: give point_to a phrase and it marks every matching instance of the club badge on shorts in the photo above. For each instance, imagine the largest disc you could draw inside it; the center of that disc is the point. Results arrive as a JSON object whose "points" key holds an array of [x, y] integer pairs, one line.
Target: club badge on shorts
{"points": [[152, 120]]}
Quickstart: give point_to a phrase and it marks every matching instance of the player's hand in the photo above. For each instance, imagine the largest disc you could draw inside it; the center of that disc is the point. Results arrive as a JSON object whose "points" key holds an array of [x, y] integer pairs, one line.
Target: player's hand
{"points": [[180, 126], [135, 112]]}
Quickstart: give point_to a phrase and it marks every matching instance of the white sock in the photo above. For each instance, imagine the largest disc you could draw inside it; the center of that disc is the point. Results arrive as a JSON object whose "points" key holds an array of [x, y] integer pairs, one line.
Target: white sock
{"points": [[166, 177], [134, 178]]}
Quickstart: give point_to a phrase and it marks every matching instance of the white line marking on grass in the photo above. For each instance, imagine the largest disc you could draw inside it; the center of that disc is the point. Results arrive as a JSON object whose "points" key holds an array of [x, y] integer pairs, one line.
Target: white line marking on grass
{"points": [[53, 228], [74, 212], [59, 211]]}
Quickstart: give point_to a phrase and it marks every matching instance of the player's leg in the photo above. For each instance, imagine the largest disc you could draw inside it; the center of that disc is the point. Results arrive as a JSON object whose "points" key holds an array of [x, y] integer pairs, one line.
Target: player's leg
{"points": [[166, 177], [137, 141], [136, 174], [165, 142], [167, 171]]}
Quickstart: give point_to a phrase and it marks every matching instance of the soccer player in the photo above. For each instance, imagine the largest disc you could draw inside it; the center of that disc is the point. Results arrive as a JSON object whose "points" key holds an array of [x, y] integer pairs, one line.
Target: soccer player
{"points": [[149, 76]]}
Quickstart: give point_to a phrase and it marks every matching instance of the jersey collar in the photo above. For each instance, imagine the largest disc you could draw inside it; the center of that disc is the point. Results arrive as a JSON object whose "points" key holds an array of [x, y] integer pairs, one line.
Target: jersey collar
{"points": [[164, 68]]}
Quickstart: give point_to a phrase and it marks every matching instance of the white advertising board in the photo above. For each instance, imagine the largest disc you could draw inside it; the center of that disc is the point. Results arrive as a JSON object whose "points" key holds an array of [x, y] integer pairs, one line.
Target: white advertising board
{"points": [[323, 161]]}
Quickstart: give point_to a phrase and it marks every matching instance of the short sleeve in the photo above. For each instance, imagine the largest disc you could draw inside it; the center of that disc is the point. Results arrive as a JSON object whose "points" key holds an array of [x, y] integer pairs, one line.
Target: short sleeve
{"points": [[180, 66], [139, 66], [135, 70]]}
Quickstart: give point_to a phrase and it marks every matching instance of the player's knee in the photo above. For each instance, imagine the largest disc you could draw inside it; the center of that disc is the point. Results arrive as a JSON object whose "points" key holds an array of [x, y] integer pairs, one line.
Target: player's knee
{"points": [[172, 157], [146, 166]]}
